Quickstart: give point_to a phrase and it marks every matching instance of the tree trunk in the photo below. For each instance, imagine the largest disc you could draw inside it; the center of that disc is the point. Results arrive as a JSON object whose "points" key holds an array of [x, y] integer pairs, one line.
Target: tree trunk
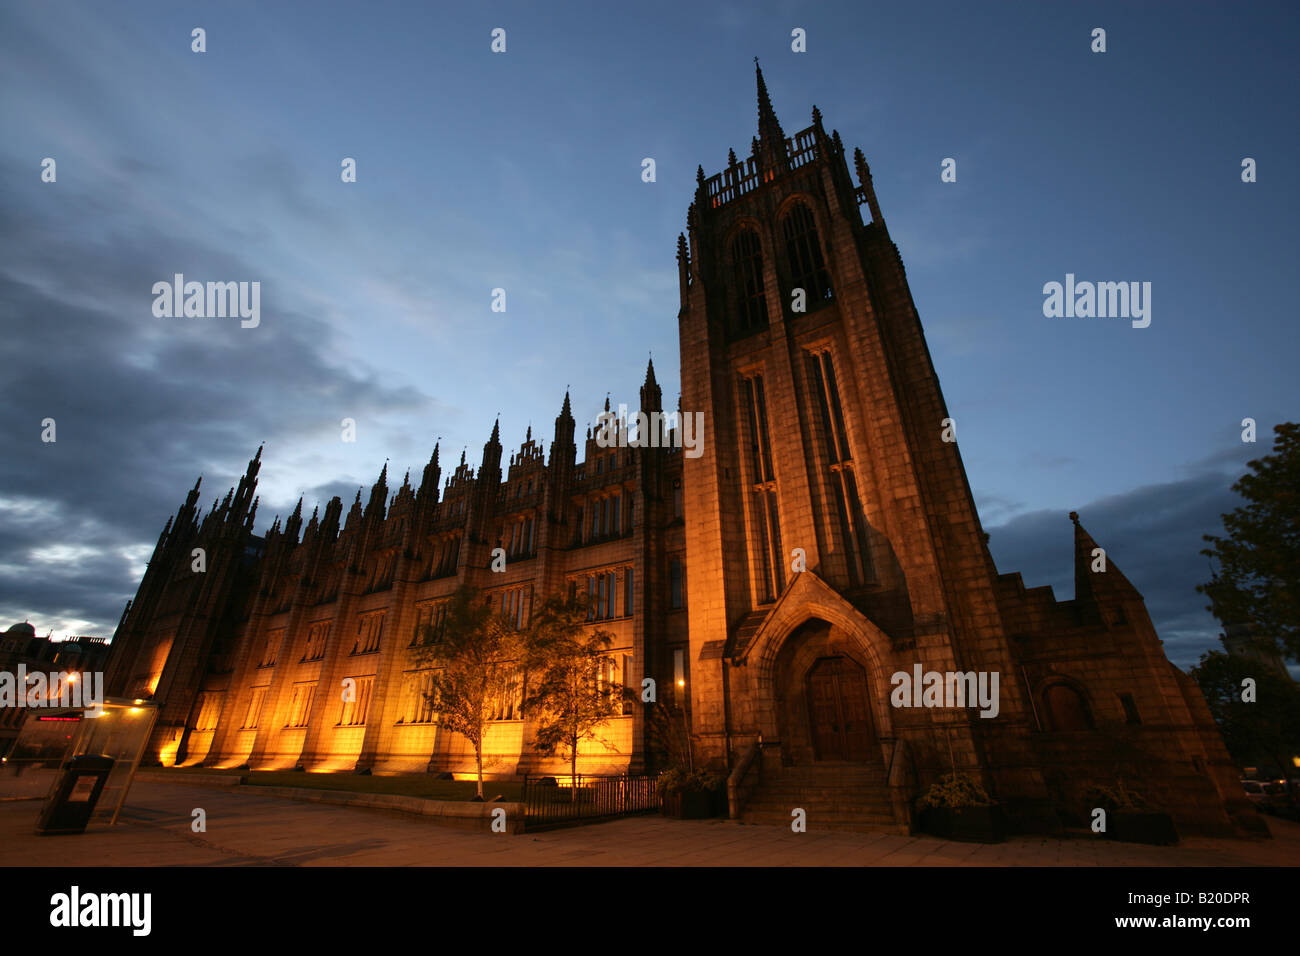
{"points": [[478, 757], [573, 770]]}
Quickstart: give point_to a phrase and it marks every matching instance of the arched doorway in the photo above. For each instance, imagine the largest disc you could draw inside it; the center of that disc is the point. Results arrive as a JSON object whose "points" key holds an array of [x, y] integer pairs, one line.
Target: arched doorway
{"points": [[839, 711]]}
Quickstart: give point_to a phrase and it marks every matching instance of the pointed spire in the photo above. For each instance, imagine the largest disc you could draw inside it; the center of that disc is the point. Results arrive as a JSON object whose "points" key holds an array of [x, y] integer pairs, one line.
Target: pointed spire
{"points": [[770, 133], [1095, 587], [652, 397], [354, 513], [293, 524], [529, 435], [731, 157], [496, 431], [607, 401], [699, 175], [379, 493], [406, 482], [868, 189], [462, 457]]}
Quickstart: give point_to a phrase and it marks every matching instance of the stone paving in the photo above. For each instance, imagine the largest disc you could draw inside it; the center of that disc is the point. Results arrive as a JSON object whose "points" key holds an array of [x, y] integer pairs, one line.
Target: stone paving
{"points": [[245, 828]]}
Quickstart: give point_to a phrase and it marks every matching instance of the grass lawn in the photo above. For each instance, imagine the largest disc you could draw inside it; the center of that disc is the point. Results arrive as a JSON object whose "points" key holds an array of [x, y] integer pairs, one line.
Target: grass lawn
{"points": [[408, 785]]}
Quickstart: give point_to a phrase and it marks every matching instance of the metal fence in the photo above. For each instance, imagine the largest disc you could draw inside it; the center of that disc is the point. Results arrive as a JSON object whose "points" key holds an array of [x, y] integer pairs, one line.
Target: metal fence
{"points": [[551, 801]]}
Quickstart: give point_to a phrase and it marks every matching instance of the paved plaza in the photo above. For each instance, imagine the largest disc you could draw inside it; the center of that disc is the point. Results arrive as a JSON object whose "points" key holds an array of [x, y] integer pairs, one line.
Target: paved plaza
{"points": [[245, 828]]}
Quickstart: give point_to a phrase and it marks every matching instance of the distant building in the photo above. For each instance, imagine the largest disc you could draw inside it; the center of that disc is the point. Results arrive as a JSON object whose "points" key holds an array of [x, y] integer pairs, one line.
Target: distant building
{"points": [[1241, 641], [20, 645], [821, 541]]}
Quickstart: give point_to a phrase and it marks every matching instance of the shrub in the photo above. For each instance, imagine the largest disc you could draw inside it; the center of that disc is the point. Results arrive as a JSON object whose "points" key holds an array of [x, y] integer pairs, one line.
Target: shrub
{"points": [[955, 790]]}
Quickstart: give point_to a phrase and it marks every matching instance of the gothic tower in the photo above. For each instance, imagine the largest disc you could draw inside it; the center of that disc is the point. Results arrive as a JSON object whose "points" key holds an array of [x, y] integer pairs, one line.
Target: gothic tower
{"points": [[832, 538]]}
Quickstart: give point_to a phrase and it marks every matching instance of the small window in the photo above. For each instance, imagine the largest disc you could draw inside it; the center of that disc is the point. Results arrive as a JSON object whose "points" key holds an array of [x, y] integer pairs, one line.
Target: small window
{"points": [[1130, 709], [1066, 709], [675, 582]]}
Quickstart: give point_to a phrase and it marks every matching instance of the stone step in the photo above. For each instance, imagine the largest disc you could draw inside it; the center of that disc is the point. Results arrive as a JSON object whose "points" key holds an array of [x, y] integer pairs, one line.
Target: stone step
{"points": [[815, 821], [783, 809], [829, 799]]}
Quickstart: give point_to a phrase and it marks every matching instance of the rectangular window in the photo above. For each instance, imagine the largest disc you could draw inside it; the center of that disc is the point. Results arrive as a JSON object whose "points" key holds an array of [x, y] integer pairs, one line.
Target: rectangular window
{"points": [[209, 711], [271, 647], [679, 676], [304, 694], [254, 712], [355, 710], [675, 583], [849, 517], [316, 637], [424, 699], [629, 592], [1131, 715], [763, 512], [369, 631]]}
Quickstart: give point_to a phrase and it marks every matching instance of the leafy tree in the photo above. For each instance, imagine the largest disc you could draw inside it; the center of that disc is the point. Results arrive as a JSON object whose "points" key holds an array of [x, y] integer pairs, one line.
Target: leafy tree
{"points": [[1266, 730], [475, 657], [1258, 579], [669, 734], [569, 698]]}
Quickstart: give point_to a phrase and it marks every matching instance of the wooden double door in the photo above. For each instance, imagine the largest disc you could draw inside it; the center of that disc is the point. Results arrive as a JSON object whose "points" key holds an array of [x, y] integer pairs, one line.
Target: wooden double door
{"points": [[839, 710]]}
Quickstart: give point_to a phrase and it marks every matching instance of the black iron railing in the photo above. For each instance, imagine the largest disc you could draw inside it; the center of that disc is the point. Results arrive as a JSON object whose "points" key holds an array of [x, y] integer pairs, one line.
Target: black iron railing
{"points": [[551, 801]]}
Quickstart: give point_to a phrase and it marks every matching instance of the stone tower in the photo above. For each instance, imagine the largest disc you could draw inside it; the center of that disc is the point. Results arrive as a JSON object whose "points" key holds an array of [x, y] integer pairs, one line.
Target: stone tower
{"points": [[829, 449]]}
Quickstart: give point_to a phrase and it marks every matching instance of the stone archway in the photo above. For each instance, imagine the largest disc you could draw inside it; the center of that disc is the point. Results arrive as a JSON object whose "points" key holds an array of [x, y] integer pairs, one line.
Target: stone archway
{"points": [[823, 697], [812, 621]]}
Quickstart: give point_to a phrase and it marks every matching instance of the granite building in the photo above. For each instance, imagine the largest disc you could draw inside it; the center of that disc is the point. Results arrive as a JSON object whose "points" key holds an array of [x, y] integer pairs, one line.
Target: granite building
{"points": [[825, 541]]}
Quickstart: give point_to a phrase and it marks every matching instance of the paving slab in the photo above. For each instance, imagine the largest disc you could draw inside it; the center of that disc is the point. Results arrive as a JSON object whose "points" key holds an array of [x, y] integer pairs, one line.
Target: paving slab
{"points": [[245, 828]]}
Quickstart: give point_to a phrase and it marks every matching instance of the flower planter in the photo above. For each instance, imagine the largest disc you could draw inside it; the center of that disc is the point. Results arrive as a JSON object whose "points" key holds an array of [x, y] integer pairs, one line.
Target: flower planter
{"points": [[1142, 826], [966, 824]]}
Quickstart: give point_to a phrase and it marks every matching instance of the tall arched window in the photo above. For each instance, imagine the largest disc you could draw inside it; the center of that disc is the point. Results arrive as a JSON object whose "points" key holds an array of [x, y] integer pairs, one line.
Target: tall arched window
{"points": [[803, 252], [751, 306], [1066, 709]]}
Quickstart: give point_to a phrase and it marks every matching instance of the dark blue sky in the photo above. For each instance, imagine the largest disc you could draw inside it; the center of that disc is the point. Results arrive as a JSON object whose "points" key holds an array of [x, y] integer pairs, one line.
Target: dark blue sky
{"points": [[522, 171]]}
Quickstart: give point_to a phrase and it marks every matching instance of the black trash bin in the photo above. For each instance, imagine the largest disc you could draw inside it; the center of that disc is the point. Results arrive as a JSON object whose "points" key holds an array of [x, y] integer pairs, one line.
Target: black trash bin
{"points": [[75, 795]]}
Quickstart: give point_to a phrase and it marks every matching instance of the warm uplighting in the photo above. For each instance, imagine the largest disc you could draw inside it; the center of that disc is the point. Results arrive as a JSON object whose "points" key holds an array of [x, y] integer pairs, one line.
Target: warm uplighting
{"points": [[72, 678], [137, 701], [681, 682]]}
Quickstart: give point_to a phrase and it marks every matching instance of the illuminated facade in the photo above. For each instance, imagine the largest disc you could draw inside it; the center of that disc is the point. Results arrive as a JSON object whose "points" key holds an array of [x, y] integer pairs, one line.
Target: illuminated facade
{"points": [[825, 541]]}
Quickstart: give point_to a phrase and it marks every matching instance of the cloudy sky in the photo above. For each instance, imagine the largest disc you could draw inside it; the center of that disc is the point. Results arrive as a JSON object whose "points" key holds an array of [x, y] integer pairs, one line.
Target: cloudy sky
{"points": [[522, 171]]}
